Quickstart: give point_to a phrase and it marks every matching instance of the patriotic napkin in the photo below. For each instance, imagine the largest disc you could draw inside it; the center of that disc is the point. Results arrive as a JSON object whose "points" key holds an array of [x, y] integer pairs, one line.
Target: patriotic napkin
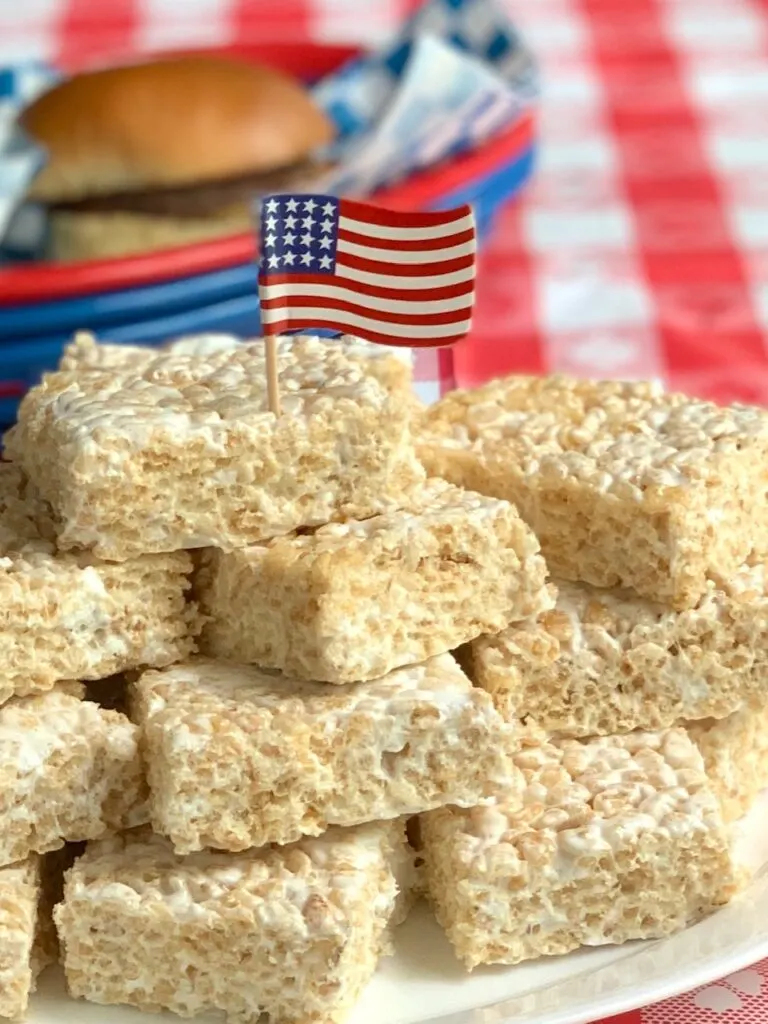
{"points": [[390, 278], [454, 74], [447, 102], [20, 158], [357, 96]]}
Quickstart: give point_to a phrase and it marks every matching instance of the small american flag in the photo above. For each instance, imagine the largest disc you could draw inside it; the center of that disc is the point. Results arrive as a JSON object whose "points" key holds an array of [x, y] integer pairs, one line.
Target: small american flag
{"points": [[387, 277]]}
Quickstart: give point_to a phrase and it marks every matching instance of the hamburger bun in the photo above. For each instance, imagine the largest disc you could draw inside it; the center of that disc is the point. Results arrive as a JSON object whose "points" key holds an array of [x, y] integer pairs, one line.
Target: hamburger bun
{"points": [[169, 122]]}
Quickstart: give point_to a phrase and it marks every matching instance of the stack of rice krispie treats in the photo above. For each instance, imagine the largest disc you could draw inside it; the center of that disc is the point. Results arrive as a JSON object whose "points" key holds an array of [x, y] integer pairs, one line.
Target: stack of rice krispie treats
{"points": [[69, 769], [256, 858], [243, 652], [652, 515]]}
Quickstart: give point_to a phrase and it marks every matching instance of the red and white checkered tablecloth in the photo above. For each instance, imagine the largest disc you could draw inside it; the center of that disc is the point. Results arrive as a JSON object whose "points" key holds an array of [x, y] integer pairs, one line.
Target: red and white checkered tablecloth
{"points": [[642, 248]]}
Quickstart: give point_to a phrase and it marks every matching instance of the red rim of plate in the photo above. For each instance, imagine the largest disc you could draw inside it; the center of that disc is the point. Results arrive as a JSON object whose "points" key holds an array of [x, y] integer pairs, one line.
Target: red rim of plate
{"points": [[51, 281]]}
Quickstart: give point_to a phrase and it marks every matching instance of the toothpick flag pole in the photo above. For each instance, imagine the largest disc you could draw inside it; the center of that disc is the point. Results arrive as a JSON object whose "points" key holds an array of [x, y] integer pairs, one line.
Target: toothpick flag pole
{"points": [[388, 277], [273, 384]]}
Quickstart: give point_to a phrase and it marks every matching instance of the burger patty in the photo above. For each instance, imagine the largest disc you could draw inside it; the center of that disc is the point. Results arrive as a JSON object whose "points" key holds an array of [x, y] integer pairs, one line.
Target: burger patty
{"points": [[203, 199]]}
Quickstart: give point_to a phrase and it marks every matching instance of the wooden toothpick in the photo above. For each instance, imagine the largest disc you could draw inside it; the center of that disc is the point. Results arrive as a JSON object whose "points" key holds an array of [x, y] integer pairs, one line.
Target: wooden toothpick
{"points": [[273, 386]]}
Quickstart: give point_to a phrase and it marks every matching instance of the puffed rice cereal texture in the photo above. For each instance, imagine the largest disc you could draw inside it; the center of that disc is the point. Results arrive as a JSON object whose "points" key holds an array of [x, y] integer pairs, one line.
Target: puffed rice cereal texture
{"points": [[623, 484], [20, 889], [69, 771], [618, 838], [184, 452], [391, 366], [240, 757], [353, 601], [67, 616], [607, 661], [294, 932], [735, 752]]}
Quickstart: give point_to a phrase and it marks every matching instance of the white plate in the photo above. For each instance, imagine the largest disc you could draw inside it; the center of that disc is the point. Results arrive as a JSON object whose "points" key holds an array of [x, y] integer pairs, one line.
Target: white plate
{"points": [[423, 981]]}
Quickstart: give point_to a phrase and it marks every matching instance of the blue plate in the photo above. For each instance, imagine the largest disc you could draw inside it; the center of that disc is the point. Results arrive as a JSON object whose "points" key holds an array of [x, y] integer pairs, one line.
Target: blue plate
{"points": [[94, 312], [27, 359]]}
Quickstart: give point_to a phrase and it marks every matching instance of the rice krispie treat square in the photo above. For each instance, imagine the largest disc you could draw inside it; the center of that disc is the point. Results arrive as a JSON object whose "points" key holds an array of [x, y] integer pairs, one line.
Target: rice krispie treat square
{"points": [[605, 661], [390, 365], [294, 932], [618, 838], [353, 601], [64, 616], [184, 453], [735, 752], [68, 771], [29, 890], [239, 757], [623, 484], [20, 889]]}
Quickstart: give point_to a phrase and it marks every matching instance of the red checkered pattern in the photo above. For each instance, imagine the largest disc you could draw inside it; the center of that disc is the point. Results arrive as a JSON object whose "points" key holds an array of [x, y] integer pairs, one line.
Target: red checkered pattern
{"points": [[70, 33], [642, 249]]}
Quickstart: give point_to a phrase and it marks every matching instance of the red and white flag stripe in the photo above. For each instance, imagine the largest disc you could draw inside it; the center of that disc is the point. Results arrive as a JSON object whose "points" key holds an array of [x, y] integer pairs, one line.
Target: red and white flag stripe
{"points": [[395, 278]]}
